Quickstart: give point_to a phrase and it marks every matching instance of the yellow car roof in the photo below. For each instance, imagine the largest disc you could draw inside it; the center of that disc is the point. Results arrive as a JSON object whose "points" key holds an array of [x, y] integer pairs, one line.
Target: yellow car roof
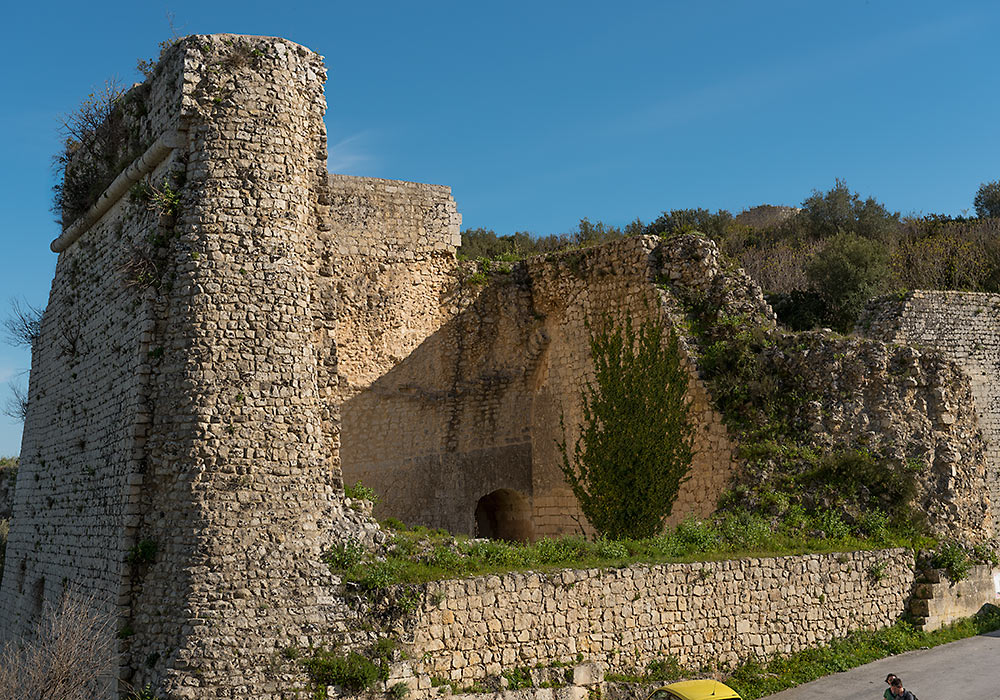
{"points": [[704, 689]]}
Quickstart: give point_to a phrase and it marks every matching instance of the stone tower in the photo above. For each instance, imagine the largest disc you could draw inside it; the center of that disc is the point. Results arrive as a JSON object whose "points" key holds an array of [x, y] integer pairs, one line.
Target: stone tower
{"points": [[176, 464]]}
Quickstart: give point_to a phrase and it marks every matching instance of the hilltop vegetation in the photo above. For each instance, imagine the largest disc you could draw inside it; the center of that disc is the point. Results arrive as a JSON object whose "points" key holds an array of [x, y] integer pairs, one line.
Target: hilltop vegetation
{"points": [[820, 263]]}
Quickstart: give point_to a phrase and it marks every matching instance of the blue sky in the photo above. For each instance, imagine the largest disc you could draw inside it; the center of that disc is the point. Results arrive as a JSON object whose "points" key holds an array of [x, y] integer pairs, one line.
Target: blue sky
{"points": [[540, 113]]}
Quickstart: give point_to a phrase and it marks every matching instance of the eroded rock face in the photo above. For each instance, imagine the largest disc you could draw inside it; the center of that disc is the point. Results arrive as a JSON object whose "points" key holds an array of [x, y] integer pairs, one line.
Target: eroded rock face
{"points": [[913, 408], [693, 267]]}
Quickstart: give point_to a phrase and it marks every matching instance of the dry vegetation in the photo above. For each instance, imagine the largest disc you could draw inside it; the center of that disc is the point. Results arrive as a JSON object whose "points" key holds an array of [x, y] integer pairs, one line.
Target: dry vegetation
{"points": [[68, 658]]}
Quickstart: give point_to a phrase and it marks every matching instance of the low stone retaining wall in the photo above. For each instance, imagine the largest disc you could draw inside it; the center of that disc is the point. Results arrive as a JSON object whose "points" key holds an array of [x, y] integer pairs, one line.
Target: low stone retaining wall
{"points": [[622, 619], [938, 602]]}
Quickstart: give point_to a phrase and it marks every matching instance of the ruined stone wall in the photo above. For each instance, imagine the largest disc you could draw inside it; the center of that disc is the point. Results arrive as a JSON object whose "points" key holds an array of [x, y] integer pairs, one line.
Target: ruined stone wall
{"points": [[475, 409], [965, 328], [240, 495], [938, 601], [701, 613], [568, 292], [386, 263], [911, 407]]}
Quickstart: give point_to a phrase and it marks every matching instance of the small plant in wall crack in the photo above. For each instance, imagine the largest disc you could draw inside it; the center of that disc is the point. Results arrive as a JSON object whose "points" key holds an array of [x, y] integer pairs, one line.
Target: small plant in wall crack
{"points": [[360, 492], [877, 571], [144, 552], [24, 324], [398, 691], [140, 271], [344, 555], [164, 200]]}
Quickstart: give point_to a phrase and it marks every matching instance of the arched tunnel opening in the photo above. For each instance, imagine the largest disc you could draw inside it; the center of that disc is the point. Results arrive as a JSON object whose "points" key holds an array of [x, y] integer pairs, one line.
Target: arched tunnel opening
{"points": [[504, 514]]}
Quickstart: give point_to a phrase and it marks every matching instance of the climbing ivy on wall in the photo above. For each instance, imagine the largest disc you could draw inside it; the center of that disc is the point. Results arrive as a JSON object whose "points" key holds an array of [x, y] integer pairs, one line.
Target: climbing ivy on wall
{"points": [[634, 448]]}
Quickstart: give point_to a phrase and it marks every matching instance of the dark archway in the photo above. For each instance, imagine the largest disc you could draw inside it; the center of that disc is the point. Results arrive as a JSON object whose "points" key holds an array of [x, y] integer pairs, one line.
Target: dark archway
{"points": [[504, 515]]}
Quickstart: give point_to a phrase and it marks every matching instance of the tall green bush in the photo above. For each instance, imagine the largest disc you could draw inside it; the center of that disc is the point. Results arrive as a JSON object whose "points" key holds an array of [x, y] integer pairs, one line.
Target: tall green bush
{"points": [[847, 272], [987, 201], [634, 448]]}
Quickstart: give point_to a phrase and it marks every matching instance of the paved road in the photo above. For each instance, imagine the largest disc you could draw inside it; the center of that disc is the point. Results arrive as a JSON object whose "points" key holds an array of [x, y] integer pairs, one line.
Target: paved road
{"points": [[968, 669]]}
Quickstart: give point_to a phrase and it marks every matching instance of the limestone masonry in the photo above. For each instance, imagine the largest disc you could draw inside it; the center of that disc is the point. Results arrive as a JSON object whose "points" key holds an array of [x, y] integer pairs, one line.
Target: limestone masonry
{"points": [[964, 327], [233, 333]]}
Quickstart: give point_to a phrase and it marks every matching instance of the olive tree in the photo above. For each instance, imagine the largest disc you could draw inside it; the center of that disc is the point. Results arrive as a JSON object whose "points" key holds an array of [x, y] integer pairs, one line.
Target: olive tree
{"points": [[847, 272], [987, 200]]}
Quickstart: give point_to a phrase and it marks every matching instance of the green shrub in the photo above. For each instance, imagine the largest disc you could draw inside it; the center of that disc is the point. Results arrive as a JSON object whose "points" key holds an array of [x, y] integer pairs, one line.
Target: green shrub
{"points": [[743, 531], [664, 670], [985, 554], [846, 273], [361, 492], [352, 671], [634, 448], [838, 210], [380, 575], [987, 201], [498, 553], [611, 549], [144, 552], [703, 221], [518, 677], [696, 537], [800, 310], [831, 525], [857, 475], [563, 549], [953, 558], [344, 555], [874, 525], [446, 558]]}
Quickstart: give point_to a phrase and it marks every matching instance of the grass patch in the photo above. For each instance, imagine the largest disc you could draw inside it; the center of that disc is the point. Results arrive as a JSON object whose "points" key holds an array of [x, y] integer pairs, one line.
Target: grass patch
{"points": [[754, 680], [419, 554]]}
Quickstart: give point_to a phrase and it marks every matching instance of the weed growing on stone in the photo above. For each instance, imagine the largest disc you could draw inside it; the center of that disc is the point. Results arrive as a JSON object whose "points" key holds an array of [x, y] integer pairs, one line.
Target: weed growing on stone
{"points": [[143, 552], [144, 693], [518, 677], [877, 571], [360, 492], [353, 671], [344, 555], [663, 670], [957, 560], [398, 691]]}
